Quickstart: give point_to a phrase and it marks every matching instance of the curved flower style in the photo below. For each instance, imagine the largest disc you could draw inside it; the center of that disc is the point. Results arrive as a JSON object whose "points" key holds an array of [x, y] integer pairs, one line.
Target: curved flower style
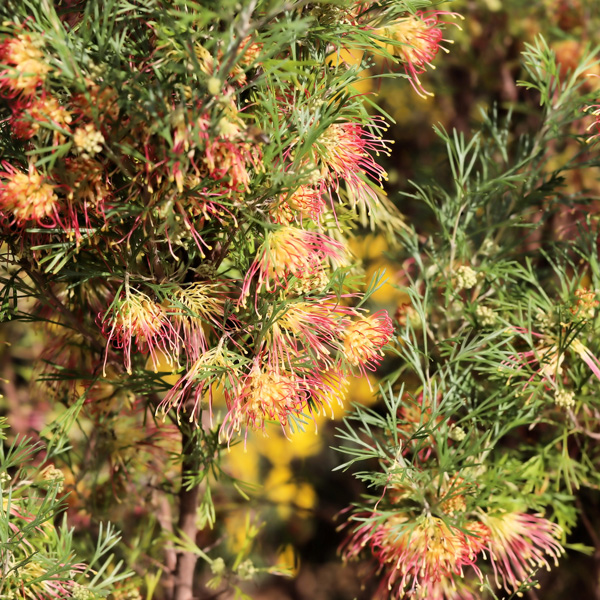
{"points": [[343, 153], [426, 557], [364, 340], [26, 65], [29, 117], [192, 308], [518, 544], [265, 394], [308, 201], [420, 37], [289, 251], [546, 361], [314, 328], [214, 369], [27, 196], [594, 110], [416, 558], [137, 317]]}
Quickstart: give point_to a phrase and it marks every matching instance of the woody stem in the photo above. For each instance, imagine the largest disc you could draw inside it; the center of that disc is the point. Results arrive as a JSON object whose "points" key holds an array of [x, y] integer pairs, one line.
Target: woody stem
{"points": [[188, 505]]}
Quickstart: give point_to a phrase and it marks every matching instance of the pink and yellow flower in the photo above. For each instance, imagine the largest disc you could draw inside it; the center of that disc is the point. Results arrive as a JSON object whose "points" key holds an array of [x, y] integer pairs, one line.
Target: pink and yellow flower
{"points": [[26, 197], [289, 252], [594, 110], [313, 327], [193, 308], [518, 544], [265, 394], [308, 201], [547, 359], [364, 340], [226, 155], [418, 39], [425, 557], [26, 67], [343, 153], [415, 557], [44, 111], [137, 318], [213, 370]]}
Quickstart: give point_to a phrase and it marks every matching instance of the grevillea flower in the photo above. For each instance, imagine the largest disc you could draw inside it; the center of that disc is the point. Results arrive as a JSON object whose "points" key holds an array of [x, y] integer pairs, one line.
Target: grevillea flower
{"points": [[308, 201], [26, 196], [315, 328], [226, 156], [343, 155], [214, 369], [364, 339], [46, 110], [586, 305], [419, 36], [518, 544], [586, 355], [192, 308], [87, 185], [328, 387], [265, 394], [250, 51], [546, 360], [425, 557], [25, 65], [289, 251], [32, 579], [137, 317], [594, 110], [415, 557]]}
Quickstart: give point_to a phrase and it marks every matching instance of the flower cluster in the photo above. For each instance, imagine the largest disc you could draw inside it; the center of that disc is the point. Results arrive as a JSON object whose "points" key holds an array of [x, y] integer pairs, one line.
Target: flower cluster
{"points": [[431, 557], [183, 224], [181, 209], [417, 39]]}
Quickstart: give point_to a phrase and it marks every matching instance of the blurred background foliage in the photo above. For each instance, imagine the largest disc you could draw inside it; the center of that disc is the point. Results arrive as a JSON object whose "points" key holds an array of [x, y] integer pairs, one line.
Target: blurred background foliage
{"points": [[293, 491]]}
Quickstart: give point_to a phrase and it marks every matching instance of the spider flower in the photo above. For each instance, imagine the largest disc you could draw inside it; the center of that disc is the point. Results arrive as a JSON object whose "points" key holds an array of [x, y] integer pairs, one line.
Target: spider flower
{"points": [[25, 65], [416, 559], [264, 395], [586, 355], [518, 544], [343, 153], [419, 37], [26, 196], [33, 579], [288, 251], [364, 339], [46, 111], [137, 317], [194, 307], [594, 110], [229, 155], [313, 327], [547, 359], [308, 201], [214, 369]]}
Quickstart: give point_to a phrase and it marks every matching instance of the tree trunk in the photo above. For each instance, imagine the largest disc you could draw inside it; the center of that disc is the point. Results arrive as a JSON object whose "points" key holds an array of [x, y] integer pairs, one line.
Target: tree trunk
{"points": [[188, 505]]}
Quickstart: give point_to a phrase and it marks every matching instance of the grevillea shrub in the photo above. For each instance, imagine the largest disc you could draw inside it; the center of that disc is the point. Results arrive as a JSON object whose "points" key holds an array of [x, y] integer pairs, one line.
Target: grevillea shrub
{"points": [[181, 184]]}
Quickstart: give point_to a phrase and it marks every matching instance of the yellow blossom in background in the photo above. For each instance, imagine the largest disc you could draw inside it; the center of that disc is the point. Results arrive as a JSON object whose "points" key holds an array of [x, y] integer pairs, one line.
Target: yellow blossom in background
{"points": [[364, 84], [288, 561], [287, 495]]}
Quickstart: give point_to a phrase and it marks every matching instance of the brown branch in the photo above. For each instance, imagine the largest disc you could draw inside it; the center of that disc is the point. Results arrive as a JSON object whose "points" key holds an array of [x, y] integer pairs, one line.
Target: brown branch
{"points": [[164, 519], [186, 526]]}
